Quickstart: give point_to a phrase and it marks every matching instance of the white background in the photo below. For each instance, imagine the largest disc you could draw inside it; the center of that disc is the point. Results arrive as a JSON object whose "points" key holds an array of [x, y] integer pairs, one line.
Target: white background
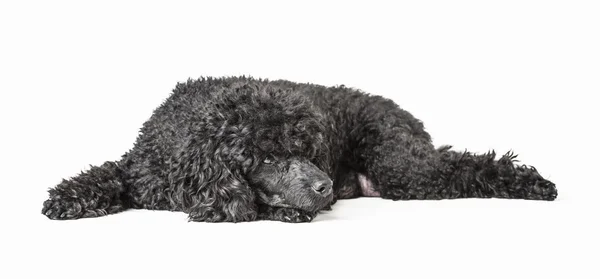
{"points": [[79, 79]]}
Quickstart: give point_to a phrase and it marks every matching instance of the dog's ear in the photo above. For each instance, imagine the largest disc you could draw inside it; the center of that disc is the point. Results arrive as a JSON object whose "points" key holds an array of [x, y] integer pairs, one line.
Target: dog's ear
{"points": [[207, 178]]}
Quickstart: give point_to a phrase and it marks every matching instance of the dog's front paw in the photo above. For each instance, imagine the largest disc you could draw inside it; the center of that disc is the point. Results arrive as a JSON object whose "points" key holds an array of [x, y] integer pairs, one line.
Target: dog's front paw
{"points": [[62, 208], [288, 215], [291, 215]]}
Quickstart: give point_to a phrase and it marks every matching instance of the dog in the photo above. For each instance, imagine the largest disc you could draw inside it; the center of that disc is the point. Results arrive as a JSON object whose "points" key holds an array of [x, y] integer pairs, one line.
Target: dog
{"points": [[241, 149]]}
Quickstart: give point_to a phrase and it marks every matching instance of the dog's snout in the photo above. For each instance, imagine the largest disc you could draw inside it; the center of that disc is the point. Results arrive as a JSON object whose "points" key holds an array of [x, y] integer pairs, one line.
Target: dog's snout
{"points": [[323, 187]]}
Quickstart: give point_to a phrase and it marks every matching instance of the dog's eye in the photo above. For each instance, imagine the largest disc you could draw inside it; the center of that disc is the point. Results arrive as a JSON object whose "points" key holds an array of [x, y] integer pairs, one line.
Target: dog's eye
{"points": [[269, 160]]}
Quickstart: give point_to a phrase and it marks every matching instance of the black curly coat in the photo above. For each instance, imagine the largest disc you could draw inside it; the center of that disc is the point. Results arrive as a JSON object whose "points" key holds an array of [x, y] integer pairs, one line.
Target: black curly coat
{"points": [[242, 149]]}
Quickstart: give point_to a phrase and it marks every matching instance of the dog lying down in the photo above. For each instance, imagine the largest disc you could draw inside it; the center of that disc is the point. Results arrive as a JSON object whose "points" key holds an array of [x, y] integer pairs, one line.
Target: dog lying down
{"points": [[242, 149]]}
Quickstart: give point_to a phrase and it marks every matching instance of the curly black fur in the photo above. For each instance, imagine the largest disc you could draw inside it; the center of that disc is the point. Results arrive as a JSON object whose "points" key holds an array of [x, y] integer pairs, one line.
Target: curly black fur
{"points": [[242, 149]]}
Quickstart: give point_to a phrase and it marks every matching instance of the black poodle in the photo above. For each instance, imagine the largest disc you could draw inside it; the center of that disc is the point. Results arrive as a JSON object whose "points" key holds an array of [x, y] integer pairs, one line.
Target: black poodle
{"points": [[244, 149]]}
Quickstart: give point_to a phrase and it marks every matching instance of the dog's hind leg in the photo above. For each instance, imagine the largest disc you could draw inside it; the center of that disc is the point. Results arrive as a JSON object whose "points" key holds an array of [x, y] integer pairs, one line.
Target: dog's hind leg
{"points": [[482, 175], [96, 192], [399, 161], [410, 169]]}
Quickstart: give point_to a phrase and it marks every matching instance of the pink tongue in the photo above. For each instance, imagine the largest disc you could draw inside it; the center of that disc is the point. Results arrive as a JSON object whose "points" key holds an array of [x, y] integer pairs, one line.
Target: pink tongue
{"points": [[366, 186]]}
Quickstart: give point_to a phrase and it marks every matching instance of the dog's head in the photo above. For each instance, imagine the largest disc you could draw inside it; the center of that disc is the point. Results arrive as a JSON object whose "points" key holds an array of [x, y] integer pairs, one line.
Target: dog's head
{"points": [[255, 144], [289, 151]]}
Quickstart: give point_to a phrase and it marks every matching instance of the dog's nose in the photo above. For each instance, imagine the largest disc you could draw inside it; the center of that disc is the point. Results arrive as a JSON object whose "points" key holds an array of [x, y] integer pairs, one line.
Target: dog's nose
{"points": [[323, 187]]}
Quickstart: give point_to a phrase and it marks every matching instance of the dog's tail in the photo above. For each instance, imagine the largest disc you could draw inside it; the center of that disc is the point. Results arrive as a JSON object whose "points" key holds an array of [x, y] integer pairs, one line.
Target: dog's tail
{"points": [[465, 175], [96, 192]]}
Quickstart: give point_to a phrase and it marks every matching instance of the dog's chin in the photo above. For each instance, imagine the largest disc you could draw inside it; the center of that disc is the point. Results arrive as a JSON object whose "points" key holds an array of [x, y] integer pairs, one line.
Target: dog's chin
{"points": [[310, 203], [314, 204]]}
